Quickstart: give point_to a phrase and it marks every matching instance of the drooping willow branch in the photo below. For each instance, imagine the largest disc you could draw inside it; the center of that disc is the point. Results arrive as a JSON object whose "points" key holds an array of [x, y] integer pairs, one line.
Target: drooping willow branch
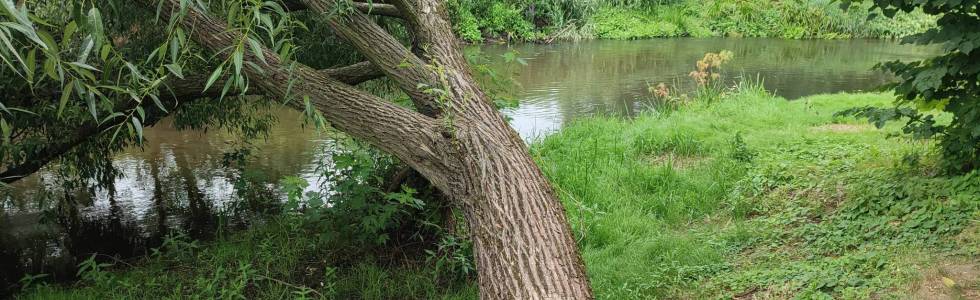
{"points": [[176, 94]]}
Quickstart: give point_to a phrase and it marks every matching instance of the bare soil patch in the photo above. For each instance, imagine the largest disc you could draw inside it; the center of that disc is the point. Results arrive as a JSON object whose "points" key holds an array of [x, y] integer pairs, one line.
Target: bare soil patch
{"points": [[950, 281], [843, 128], [677, 162]]}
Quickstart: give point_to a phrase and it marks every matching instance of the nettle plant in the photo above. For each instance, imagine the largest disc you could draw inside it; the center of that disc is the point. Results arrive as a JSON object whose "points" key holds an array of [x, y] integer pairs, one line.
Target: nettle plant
{"points": [[945, 83]]}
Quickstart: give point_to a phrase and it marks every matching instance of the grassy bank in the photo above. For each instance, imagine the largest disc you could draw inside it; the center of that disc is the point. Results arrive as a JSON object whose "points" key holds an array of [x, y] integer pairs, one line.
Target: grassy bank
{"points": [[755, 196], [748, 196], [480, 20]]}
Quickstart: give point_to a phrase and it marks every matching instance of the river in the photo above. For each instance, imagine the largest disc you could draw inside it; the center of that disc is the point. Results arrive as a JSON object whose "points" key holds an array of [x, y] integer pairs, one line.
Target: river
{"points": [[177, 181]]}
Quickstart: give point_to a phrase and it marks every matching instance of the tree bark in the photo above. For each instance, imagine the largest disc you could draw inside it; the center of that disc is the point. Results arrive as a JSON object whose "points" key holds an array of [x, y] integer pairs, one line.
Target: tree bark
{"points": [[524, 247]]}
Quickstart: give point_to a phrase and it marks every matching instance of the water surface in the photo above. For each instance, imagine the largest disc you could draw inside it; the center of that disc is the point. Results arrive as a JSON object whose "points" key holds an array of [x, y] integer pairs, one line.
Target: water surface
{"points": [[565, 81]]}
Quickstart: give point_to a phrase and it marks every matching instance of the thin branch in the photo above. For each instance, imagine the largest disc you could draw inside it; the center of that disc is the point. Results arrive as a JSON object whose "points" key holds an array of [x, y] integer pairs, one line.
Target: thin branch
{"points": [[356, 73], [380, 9], [178, 93], [59, 147], [373, 8]]}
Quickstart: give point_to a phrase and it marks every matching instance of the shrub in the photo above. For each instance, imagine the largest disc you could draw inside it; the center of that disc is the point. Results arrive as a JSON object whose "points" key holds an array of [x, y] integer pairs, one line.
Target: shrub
{"points": [[625, 24], [508, 21]]}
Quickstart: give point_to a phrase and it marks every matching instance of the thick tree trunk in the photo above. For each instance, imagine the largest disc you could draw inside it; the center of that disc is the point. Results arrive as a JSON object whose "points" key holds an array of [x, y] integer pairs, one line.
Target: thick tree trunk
{"points": [[524, 247]]}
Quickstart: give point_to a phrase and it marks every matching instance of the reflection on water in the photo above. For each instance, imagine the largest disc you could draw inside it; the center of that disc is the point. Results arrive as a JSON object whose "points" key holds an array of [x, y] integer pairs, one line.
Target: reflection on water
{"points": [[177, 181], [565, 81]]}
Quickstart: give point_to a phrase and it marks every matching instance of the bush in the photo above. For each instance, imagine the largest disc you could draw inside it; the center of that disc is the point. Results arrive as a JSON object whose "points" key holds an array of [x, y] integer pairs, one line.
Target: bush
{"points": [[506, 21], [624, 24]]}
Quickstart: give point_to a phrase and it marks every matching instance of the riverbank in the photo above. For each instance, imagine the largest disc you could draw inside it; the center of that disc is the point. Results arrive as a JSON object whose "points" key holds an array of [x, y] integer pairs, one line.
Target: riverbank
{"points": [[746, 196], [478, 21]]}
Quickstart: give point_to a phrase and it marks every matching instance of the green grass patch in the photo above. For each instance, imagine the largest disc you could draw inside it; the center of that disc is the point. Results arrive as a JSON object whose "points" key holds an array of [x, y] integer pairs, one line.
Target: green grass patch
{"points": [[781, 199]]}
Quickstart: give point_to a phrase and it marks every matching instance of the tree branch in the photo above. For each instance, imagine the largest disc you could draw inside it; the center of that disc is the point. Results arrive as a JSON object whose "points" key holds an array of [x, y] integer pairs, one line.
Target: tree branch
{"points": [[183, 92], [385, 51], [406, 134], [428, 20], [179, 92], [380, 9], [356, 73], [374, 8]]}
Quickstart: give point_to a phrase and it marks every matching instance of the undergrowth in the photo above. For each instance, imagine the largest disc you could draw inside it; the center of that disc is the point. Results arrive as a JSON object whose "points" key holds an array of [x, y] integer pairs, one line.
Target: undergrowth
{"points": [[275, 260]]}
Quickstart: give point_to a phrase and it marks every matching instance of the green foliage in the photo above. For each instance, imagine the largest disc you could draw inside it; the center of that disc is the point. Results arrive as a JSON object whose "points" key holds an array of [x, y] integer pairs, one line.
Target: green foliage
{"points": [[740, 151], [361, 212], [376, 207], [497, 19], [466, 25], [507, 21], [276, 260], [947, 83], [627, 24], [885, 211], [796, 19]]}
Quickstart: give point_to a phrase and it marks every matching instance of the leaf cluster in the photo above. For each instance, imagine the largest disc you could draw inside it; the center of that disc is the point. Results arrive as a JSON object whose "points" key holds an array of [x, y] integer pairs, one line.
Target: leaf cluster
{"points": [[947, 83]]}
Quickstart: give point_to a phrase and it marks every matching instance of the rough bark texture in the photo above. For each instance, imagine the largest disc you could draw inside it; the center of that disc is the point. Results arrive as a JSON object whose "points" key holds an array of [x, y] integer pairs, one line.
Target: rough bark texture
{"points": [[459, 141]]}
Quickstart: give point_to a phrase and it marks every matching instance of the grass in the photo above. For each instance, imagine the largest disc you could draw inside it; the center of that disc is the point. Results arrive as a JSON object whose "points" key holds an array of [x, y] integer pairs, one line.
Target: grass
{"points": [[777, 199], [746, 196]]}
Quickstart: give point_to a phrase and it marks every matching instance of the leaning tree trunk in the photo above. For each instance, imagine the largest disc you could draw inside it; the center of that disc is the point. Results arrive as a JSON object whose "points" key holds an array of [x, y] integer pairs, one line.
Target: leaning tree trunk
{"points": [[457, 139], [524, 247]]}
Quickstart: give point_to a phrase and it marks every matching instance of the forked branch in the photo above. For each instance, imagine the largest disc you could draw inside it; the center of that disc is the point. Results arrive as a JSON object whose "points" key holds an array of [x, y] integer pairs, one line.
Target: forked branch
{"points": [[404, 133], [386, 52]]}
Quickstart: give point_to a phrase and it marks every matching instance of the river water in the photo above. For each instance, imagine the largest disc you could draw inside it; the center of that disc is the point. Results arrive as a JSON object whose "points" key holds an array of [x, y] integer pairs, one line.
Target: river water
{"points": [[177, 180]]}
